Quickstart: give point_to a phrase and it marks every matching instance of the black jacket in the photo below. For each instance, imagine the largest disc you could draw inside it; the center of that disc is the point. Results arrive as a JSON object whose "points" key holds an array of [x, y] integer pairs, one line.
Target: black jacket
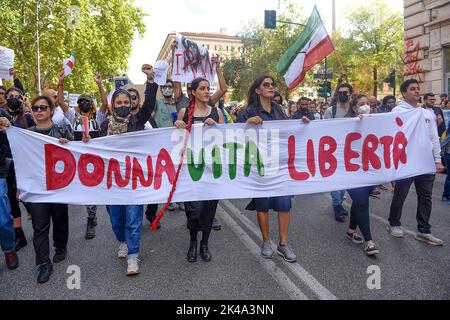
{"points": [[5, 151], [137, 121], [303, 113], [57, 132]]}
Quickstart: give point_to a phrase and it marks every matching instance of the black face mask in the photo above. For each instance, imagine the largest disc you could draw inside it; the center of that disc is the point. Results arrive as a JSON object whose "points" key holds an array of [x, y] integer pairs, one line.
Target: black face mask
{"points": [[122, 111], [13, 103], [343, 97], [85, 106]]}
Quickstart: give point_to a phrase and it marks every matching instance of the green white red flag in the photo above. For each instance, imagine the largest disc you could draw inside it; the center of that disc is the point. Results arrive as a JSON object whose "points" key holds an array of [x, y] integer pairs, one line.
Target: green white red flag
{"points": [[68, 64], [313, 45]]}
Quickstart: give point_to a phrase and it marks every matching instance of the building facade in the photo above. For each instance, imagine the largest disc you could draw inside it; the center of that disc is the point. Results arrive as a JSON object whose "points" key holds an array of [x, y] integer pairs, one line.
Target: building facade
{"points": [[427, 44]]}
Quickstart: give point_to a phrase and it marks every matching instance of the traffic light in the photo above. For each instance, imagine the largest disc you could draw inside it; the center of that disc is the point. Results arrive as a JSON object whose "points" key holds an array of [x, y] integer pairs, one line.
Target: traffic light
{"points": [[270, 19], [390, 79], [325, 89]]}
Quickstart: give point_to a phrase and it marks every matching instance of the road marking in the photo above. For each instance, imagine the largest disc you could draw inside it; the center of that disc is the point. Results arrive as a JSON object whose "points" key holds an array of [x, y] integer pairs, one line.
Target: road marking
{"points": [[269, 266], [304, 276]]}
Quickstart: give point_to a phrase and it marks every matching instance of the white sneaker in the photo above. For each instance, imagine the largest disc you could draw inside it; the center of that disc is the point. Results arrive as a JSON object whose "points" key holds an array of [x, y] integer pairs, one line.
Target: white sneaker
{"points": [[123, 251], [133, 266], [396, 232], [429, 238]]}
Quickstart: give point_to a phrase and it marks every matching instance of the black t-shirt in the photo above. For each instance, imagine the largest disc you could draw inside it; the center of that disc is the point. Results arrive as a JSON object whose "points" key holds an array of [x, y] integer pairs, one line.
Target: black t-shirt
{"points": [[78, 129], [213, 115]]}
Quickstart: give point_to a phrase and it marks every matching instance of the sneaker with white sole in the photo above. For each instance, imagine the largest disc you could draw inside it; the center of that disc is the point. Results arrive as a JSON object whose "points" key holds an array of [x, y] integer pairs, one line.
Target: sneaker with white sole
{"points": [[396, 232], [133, 266], [355, 237], [287, 253], [428, 238], [123, 251], [266, 250], [371, 249]]}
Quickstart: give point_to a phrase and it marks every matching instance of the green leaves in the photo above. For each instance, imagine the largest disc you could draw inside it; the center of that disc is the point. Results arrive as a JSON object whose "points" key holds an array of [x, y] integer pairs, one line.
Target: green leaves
{"points": [[369, 47], [102, 39]]}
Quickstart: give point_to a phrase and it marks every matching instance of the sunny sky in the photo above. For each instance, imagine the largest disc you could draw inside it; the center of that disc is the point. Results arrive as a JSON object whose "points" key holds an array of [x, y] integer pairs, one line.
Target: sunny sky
{"points": [[210, 16]]}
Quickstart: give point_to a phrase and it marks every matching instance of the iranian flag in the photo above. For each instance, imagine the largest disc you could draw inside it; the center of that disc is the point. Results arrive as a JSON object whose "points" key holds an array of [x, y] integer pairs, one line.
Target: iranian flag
{"points": [[68, 64], [311, 47]]}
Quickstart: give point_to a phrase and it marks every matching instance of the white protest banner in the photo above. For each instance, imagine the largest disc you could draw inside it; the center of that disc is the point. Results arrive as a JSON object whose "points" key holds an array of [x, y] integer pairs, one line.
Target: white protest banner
{"points": [[6, 62], [160, 68], [224, 161], [73, 99], [191, 61]]}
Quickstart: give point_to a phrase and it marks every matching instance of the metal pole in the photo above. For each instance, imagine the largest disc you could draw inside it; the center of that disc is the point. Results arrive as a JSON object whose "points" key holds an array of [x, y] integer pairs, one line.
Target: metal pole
{"points": [[333, 6], [325, 79], [395, 71], [37, 46]]}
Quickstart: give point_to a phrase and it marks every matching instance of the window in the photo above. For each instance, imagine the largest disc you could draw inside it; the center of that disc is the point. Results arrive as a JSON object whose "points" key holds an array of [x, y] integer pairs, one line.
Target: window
{"points": [[447, 70]]}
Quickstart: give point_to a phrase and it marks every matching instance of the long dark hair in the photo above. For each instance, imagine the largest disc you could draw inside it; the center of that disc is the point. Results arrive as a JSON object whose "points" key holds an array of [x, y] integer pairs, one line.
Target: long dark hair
{"points": [[117, 93], [194, 86], [252, 96], [351, 111]]}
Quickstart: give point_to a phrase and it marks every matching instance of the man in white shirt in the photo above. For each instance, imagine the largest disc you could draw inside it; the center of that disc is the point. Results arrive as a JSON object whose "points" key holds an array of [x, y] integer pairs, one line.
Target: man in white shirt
{"points": [[423, 183], [60, 117]]}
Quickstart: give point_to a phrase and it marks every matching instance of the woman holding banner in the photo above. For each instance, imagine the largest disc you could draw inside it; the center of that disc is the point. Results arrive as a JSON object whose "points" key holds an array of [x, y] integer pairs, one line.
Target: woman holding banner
{"points": [[15, 102], [85, 127], [43, 108], [260, 107], [359, 212], [200, 214], [126, 220]]}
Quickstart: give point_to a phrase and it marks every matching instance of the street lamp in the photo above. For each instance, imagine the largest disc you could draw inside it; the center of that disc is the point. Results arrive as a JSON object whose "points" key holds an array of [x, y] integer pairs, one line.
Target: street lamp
{"points": [[37, 47]]}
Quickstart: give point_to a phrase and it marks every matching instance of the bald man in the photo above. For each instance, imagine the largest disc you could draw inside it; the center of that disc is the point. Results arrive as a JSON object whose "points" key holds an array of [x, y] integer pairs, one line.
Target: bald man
{"points": [[60, 116]]}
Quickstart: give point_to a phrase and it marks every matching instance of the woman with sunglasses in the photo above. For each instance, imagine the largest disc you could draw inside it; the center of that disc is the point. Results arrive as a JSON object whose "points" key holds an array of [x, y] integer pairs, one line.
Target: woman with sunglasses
{"points": [[200, 214], [260, 107], [15, 101], [43, 108], [126, 220]]}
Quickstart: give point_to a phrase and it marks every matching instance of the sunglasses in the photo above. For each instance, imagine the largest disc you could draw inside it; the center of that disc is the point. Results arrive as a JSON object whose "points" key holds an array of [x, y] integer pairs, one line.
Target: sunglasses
{"points": [[12, 96], [134, 97], [39, 108], [269, 84]]}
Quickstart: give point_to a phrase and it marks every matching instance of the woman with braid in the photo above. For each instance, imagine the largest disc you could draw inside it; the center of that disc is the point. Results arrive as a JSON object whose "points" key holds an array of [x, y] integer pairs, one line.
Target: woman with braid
{"points": [[200, 214]]}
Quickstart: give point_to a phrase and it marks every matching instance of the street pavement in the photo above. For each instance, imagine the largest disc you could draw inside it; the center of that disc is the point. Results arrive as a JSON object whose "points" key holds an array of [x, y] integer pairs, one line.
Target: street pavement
{"points": [[328, 266]]}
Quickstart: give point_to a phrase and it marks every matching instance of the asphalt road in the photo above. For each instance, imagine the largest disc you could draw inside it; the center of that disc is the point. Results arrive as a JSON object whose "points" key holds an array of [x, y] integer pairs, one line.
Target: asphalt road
{"points": [[329, 266]]}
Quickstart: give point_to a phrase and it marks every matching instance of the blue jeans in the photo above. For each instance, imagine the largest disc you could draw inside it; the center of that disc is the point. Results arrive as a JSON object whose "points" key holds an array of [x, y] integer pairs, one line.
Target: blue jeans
{"points": [[337, 198], [446, 193], [7, 235], [359, 212], [126, 223]]}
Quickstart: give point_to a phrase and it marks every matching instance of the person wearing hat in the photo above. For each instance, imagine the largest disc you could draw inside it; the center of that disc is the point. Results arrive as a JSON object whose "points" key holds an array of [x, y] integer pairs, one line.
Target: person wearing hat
{"points": [[85, 108]]}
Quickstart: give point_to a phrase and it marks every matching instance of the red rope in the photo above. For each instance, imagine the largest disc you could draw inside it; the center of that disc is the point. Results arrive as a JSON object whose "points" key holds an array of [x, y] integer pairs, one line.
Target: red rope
{"points": [[174, 185]]}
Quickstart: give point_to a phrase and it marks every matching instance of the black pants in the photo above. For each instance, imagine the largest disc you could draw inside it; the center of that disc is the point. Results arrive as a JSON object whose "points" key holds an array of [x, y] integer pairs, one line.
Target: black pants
{"points": [[12, 192], [200, 214], [42, 213], [424, 189], [359, 212]]}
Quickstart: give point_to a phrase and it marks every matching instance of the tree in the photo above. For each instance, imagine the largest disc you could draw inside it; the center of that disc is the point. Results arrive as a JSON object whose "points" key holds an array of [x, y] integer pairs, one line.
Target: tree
{"points": [[99, 31], [370, 45]]}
